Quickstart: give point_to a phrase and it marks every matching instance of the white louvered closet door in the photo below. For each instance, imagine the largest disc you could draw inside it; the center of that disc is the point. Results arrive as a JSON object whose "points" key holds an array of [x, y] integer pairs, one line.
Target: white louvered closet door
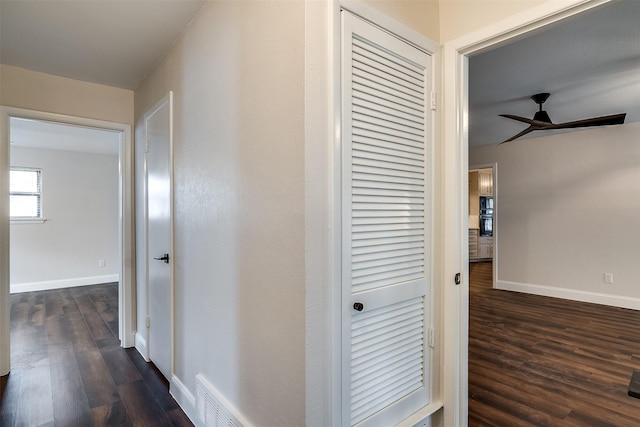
{"points": [[386, 254]]}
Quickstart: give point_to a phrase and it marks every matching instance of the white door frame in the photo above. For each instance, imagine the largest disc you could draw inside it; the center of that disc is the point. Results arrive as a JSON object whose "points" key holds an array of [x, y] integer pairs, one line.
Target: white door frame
{"points": [[456, 159], [126, 220]]}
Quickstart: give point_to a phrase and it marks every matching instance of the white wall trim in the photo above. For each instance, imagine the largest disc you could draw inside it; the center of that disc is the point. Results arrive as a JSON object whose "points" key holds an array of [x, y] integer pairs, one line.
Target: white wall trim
{"points": [[322, 216], [63, 283], [186, 400], [570, 294], [456, 153]]}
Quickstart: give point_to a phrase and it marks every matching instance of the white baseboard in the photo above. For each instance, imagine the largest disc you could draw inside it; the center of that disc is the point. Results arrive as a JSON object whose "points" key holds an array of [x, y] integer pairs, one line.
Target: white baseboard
{"points": [[571, 294], [141, 346], [64, 283], [185, 399]]}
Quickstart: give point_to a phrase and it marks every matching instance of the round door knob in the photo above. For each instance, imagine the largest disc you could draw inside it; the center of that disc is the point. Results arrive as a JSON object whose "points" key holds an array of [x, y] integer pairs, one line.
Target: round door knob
{"points": [[358, 306]]}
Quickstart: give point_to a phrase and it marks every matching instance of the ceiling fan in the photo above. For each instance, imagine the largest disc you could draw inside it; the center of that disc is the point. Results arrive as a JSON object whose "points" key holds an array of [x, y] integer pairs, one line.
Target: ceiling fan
{"points": [[541, 120]]}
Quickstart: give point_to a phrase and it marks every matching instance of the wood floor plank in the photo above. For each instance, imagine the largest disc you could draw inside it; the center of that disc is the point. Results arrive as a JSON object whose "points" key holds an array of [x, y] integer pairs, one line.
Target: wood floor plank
{"points": [[35, 402], [100, 331], [120, 366], [69, 370], [157, 384], [537, 361], [57, 330], [70, 404], [111, 415], [54, 305], [178, 418], [98, 384], [141, 406], [9, 397], [80, 335], [69, 305]]}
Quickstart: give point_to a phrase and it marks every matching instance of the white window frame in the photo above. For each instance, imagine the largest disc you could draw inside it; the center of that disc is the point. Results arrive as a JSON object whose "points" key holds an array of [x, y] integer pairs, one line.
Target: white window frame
{"points": [[27, 219]]}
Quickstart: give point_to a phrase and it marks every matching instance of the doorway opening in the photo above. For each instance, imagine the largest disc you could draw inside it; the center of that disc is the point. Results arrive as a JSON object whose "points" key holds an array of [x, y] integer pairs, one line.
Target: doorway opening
{"points": [[124, 245], [456, 153], [483, 213]]}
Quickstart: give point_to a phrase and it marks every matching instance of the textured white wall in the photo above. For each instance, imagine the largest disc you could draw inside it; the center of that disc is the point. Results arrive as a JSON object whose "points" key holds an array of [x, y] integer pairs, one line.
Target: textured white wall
{"points": [[460, 17], [80, 203], [54, 94], [421, 16], [568, 209], [237, 76]]}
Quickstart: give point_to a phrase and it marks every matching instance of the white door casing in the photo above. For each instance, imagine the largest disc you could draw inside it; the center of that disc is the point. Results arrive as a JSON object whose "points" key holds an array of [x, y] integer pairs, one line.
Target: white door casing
{"points": [[158, 130], [386, 221], [456, 165], [126, 215]]}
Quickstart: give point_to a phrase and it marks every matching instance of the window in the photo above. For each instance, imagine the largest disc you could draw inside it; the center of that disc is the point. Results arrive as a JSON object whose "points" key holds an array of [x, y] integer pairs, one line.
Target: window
{"points": [[25, 199]]}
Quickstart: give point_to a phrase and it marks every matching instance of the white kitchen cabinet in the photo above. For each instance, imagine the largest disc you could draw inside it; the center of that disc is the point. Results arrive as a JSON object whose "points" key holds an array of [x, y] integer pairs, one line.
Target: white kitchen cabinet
{"points": [[485, 247], [474, 200], [485, 182], [473, 244]]}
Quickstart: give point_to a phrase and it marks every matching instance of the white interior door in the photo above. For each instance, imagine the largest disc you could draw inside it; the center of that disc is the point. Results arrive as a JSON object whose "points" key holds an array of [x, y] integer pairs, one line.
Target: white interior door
{"points": [[386, 215], [158, 161]]}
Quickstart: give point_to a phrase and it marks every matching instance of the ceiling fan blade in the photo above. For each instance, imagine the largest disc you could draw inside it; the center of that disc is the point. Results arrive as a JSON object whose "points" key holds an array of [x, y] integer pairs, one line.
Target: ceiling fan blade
{"points": [[536, 123], [614, 119], [524, 132]]}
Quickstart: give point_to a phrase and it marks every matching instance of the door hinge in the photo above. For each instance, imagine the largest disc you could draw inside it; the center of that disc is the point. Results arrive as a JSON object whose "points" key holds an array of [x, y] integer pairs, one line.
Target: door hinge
{"points": [[432, 338], [146, 147], [434, 101], [147, 321]]}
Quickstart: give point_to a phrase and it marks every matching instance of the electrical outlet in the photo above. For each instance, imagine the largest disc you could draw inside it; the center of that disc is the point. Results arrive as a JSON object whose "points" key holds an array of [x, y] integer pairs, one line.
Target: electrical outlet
{"points": [[608, 278], [100, 263]]}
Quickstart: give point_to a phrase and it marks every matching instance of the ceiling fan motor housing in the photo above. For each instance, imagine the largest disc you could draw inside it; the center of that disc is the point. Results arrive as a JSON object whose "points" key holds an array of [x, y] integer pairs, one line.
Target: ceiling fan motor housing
{"points": [[541, 115]]}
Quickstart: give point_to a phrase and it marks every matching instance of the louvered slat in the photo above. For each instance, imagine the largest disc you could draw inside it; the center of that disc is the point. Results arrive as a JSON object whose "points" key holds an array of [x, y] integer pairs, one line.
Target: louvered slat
{"points": [[412, 72], [363, 87], [383, 112], [387, 356], [375, 138], [363, 99], [378, 149], [375, 124], [380, 65], [386, 83]]}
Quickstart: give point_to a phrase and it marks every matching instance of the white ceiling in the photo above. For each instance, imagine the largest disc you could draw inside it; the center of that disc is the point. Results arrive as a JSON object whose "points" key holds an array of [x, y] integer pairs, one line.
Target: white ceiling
{"points": [[590, 64], [56, 136], [112, 42]]}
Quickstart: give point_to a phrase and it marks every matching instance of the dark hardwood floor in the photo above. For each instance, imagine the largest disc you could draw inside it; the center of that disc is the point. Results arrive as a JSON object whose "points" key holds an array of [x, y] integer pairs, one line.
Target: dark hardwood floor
{"points": [[68, 368], [539, 361]]}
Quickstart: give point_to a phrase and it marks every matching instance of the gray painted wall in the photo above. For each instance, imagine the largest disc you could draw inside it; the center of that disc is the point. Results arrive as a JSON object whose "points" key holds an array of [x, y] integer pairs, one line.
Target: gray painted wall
{"points": [[80, 204], [567, 212]]}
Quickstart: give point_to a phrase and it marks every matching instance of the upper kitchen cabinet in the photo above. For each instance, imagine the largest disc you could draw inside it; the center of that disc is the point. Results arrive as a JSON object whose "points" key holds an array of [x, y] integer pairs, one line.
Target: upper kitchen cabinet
{"points": [[485, 182], [474, 207]]}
